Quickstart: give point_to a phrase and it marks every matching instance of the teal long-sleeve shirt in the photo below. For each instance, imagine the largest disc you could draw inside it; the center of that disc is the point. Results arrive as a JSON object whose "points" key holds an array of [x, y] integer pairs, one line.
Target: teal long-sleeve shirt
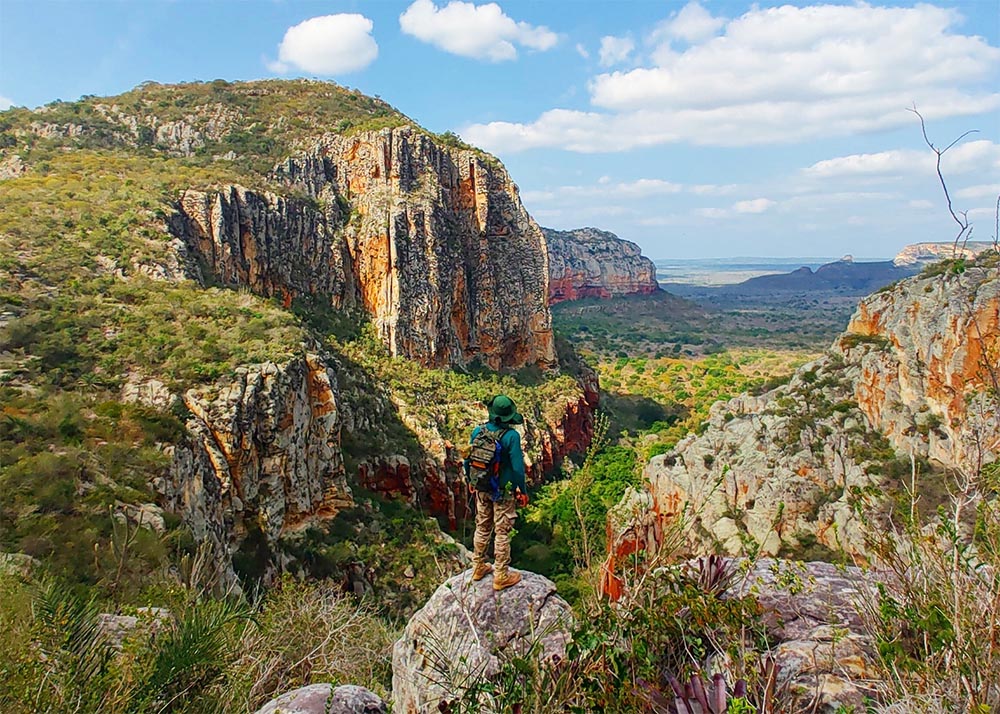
{"points": [[511, 457]]}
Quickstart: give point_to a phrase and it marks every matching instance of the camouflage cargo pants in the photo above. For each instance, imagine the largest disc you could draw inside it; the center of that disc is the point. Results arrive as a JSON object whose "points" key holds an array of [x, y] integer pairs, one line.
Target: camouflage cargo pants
{"points": [[492, 517]]}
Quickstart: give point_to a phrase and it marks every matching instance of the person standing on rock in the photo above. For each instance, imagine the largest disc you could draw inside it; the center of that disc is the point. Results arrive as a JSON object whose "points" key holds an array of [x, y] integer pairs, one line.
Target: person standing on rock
{"points": [[495, 469]]}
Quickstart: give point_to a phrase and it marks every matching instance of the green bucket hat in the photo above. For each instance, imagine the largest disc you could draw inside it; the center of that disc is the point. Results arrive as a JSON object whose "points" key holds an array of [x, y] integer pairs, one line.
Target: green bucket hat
{"points": [[502, 409]]}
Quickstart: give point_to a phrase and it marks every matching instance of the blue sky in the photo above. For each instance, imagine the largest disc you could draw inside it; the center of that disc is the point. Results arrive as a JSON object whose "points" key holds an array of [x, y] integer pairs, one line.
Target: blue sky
{"points": [[696, 130]]}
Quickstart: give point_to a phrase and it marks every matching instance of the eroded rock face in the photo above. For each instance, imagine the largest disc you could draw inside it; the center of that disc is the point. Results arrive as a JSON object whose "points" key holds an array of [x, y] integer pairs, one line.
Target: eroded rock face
{"points": [[432, 242], [911, 376], [12, 167], [928, 351], [446, 260], [274, 246], [588, 262], [768, 471], [263, 457], [464, 631]]}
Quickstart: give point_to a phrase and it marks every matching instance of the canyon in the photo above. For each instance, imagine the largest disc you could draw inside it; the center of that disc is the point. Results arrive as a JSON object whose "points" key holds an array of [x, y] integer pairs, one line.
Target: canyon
{"points": [[912, 382]]}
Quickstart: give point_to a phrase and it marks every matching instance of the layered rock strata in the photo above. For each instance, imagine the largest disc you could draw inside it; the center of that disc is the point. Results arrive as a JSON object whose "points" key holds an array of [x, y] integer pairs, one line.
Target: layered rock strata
{"points": [[432, 242], [914, 376], [588, 262]]}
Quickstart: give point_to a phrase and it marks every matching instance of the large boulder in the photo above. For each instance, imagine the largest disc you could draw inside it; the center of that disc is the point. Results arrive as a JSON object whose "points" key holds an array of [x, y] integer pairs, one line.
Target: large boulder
{"points": [[324, 699], [465, 631]]}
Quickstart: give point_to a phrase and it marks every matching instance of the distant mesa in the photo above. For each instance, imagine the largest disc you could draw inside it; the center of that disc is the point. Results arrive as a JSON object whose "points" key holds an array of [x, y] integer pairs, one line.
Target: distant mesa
{"points": [[920, 254], [589, 262], [844, 275]]}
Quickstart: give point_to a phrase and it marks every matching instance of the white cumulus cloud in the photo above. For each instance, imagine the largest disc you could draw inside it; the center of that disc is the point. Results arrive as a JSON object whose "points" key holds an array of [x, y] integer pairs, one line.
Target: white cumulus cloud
{"points": [[692, 23], [615, 50], [756, 205], [481, 32], [5, 103], [327, 45], [775, 75], [973, 156]]}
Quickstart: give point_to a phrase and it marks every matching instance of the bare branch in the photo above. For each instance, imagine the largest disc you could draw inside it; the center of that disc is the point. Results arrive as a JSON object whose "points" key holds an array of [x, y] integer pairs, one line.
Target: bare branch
{"points": [[963, 221]]}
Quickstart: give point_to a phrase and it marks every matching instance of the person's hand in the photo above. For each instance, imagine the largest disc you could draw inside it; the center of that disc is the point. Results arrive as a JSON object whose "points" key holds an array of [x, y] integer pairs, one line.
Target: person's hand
{"points": [[521, 498]]}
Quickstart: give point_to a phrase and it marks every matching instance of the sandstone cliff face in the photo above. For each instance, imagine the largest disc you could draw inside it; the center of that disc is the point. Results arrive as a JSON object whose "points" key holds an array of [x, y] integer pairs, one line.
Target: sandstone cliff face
{"points": [[588, 262], [432, 242], [274, 246], [911, 376], [446, 260], [926, 384], [263, 456], [271, 451]]}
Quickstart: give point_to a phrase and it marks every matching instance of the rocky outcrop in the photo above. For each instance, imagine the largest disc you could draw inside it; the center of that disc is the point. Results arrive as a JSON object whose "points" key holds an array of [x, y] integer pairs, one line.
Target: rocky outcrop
{"points": [[929, 355], [12, 167], [446, 260], [269, 450], [263, 458], [432, 242], [588, 262], [465, 633], [779, 470], [326, 699], [912, 377], [920, 254], [822, 647]]}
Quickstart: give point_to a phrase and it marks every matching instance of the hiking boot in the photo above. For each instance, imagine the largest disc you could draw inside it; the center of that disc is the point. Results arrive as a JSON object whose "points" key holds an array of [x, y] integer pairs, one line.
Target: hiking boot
{"points": [[511, 577], [481, 570]]}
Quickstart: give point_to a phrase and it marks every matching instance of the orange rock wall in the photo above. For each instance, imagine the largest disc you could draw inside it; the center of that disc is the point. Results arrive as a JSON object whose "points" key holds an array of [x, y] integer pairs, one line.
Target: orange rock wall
{"points": [[939, 356], [445, 258]]}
